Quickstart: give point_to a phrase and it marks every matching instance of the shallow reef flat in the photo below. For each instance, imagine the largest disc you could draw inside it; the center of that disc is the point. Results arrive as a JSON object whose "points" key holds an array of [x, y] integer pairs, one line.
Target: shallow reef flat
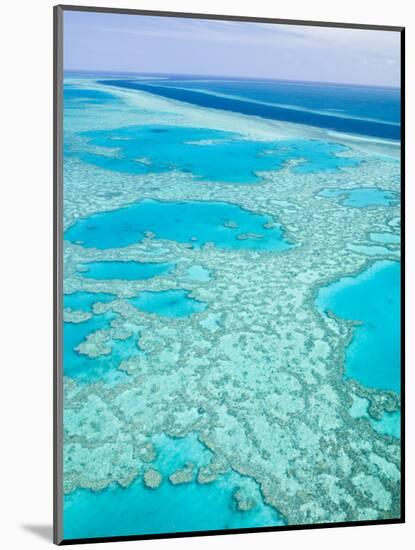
{"points": [[257, 375]]}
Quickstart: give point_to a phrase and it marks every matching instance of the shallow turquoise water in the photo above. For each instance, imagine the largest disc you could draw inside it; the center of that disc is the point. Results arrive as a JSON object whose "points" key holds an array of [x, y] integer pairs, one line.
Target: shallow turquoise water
{"points": [[191, 222], [168, 303], [129, 271], [389, 424], [370, 250], [385, 238], [198, 273], [84, 300], [361, 197], [82, 98], [372, 297], [210, 155], [168, 509], [90, 369]]}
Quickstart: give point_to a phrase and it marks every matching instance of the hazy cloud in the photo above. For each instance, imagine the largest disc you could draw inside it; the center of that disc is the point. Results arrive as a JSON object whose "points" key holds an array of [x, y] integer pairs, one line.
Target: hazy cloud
{"points": [[137, 43]]}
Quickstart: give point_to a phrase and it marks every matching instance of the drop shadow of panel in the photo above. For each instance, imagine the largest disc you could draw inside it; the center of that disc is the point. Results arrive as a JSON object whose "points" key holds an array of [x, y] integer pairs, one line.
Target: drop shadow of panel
{"points": [[44, 532]]}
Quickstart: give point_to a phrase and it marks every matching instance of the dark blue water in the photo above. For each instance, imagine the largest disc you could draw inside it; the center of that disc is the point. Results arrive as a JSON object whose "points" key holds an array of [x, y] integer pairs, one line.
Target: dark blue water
{"points": [[191, 222], [373, 298], [210, 155], [369, 111]]}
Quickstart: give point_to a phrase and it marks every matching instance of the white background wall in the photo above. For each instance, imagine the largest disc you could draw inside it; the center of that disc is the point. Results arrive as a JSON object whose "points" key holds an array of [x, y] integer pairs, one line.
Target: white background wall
{"points": [[26, 270]]}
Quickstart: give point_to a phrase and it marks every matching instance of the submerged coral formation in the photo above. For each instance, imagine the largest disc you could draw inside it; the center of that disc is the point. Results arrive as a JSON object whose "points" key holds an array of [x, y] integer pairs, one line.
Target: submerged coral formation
{"points": [[258, 373]]}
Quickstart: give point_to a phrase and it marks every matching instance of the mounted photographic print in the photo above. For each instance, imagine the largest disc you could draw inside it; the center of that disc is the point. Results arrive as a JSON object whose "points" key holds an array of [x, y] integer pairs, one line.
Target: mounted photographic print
{"points": [[228, 284]]}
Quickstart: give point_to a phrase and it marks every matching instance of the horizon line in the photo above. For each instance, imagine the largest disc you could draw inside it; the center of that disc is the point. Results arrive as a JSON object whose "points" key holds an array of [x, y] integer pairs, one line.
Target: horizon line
{"points": [[235, 77]]}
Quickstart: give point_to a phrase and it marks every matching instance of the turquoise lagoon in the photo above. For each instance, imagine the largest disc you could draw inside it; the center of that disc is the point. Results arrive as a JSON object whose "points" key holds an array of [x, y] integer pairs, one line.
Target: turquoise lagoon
{"points": [[388, 424], [372, 298], [127, 271], [169, 508], [175, 304], [168, 303], [226, 225], [84, 301], [210, 155], [80, 366], [87, 369]]}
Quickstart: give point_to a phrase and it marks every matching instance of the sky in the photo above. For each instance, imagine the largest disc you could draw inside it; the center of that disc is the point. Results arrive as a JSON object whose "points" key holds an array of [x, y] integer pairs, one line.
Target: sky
{"points": [[154, 44]]}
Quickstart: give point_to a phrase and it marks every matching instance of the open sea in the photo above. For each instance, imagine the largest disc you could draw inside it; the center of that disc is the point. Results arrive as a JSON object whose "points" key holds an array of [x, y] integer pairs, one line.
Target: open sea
{"points": [[369, 111]]}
